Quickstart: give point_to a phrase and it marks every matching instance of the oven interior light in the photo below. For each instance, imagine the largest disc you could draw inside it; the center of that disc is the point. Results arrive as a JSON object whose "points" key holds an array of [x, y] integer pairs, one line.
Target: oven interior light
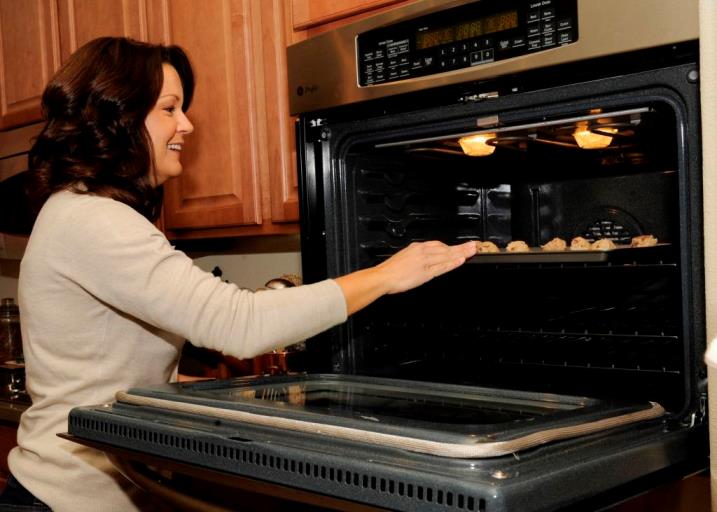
{"points": [[477, 145], [588, 139]]}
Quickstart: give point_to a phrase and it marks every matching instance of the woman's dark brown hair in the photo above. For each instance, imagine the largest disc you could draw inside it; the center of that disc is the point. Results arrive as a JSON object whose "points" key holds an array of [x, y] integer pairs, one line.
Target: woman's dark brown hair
{"points": [[95, 140]]}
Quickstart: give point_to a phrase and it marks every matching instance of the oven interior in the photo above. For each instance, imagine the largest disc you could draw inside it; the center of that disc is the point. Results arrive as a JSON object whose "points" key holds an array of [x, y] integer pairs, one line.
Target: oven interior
{"points": [[607, 324]]}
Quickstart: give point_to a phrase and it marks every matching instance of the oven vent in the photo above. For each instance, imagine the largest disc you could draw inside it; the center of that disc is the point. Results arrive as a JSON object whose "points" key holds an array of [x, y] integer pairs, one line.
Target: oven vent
{"points": [[347, 478]]}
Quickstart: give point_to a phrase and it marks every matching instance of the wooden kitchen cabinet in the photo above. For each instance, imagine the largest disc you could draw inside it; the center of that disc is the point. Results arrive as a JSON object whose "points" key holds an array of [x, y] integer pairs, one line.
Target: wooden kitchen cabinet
{"points": [[316, 16], [8, 440], [29, 54], [37, 35], [239, 164], [240, 172], [83, 20]]}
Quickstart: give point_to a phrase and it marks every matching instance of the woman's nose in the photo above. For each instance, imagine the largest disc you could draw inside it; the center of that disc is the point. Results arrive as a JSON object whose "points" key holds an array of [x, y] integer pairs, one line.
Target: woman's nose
{"points": [[185, 125]]}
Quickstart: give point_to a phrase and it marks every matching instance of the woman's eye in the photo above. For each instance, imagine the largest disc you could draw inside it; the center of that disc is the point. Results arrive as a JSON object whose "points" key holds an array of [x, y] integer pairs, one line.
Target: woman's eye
{"points": [[170, 109]]}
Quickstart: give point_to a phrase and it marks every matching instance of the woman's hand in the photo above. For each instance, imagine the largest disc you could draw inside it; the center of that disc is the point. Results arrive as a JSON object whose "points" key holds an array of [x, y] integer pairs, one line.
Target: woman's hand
{"points": [[410, 267], [420, 262]]}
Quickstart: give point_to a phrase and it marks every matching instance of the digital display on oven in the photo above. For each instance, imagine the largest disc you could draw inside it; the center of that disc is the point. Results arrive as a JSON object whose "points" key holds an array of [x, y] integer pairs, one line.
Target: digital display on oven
{"points": [[469, 35], [466, 30]]}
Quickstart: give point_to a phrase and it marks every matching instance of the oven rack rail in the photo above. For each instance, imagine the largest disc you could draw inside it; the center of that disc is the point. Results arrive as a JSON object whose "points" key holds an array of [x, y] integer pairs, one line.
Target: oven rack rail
{"points": [[641, 352]]}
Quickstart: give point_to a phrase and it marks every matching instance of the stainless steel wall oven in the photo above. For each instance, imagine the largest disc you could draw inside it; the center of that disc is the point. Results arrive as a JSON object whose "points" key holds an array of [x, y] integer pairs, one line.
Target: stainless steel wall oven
{"points": [[540, 379]]}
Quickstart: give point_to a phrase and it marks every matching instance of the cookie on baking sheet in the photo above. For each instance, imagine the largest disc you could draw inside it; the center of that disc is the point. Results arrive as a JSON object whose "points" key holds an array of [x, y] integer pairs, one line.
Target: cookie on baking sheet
{"points": [[580, 244], [604, 244], [556, 244], [517, 246], [643, 241], [487, 247]]}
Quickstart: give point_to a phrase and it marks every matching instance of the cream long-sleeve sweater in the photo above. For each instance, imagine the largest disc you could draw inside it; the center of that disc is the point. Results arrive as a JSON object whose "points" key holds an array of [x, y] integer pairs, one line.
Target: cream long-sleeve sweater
{"points": [[106, 303]]}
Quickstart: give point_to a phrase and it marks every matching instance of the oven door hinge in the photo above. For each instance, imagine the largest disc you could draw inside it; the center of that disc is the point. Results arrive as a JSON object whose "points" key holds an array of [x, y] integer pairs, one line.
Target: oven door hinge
{"points": [[317, 129], [697, 417], [475, 98]]}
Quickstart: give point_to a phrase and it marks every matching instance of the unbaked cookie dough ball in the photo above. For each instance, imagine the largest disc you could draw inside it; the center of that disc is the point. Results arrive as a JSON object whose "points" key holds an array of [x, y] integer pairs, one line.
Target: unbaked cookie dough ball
{"points": [[556, 244]]}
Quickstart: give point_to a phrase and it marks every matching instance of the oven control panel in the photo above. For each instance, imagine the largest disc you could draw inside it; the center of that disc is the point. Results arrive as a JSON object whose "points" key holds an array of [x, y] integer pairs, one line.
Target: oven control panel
{"points": [[469, 35]]}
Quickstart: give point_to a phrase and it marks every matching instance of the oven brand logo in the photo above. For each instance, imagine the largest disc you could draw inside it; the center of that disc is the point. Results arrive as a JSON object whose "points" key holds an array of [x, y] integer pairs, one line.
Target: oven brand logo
{"points": [[306, 89]]}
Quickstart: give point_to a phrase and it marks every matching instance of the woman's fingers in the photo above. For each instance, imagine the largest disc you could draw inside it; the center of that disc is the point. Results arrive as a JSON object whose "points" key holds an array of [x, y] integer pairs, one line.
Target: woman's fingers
{"points": [[447, 266]]}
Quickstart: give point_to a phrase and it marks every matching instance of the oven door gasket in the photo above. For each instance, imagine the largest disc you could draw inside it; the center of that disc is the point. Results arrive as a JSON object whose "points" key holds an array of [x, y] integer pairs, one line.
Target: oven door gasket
{"points": [[586, 416]]}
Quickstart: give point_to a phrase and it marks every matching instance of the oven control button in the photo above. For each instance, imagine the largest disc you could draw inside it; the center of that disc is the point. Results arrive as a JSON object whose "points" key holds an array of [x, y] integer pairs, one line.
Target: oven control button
{"points": [[488, 54], [548, 26], [549, 39], [548, 12], [504, 44], [565, 36], [564, 23], [534, 43], [534, 30], [533, 15], [518, 42], [476, 58]]}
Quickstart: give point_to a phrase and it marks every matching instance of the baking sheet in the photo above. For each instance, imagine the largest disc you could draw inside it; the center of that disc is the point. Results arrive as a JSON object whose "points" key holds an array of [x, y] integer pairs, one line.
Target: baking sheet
{"points": [[537, 255]]}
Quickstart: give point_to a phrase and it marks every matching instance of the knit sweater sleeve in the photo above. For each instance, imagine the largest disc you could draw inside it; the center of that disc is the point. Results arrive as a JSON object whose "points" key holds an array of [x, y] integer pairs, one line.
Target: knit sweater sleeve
{"points": [[123, 260]]}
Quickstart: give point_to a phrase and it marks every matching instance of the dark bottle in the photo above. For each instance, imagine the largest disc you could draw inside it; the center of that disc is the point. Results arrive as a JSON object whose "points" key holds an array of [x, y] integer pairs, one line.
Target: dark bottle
{"points": [[10, 337]]}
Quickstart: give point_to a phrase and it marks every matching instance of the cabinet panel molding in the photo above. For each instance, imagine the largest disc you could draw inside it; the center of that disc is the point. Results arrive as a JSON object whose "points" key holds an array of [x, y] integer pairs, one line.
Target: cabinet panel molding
{"points": [[279, 127], [84, 20]]}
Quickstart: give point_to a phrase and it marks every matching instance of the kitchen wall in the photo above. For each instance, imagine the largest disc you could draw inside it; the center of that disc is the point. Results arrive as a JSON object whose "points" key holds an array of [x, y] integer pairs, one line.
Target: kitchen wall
{"points": [[249, 263], [8, 278]]}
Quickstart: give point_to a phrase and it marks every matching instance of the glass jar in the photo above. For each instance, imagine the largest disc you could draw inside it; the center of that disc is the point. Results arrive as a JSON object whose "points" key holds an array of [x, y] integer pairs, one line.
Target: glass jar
{"points": [[10, 337]]}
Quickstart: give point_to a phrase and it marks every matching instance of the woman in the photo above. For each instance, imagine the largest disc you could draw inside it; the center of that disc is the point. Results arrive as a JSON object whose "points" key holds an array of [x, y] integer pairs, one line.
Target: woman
{"points": [[106, 301]]}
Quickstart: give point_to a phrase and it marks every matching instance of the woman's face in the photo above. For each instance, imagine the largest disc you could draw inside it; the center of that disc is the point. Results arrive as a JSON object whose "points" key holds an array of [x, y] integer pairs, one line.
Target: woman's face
{"points": [[167, 125]]}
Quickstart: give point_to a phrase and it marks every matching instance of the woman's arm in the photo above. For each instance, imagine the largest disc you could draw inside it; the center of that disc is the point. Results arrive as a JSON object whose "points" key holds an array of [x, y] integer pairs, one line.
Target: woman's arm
{"points": [[407, 269]]}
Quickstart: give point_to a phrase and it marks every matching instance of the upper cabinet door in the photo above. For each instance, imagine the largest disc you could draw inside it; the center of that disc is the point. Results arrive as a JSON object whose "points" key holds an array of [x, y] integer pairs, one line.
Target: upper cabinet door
{"points": [[219, 186], [29, 54], [36, 35], [84, 20], [308, 14]]}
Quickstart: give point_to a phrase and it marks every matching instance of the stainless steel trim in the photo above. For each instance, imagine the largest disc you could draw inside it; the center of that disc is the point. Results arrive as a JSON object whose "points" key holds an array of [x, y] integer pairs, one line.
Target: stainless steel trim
{"points": [[506, 129], [481, 448], [325, 66]]}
